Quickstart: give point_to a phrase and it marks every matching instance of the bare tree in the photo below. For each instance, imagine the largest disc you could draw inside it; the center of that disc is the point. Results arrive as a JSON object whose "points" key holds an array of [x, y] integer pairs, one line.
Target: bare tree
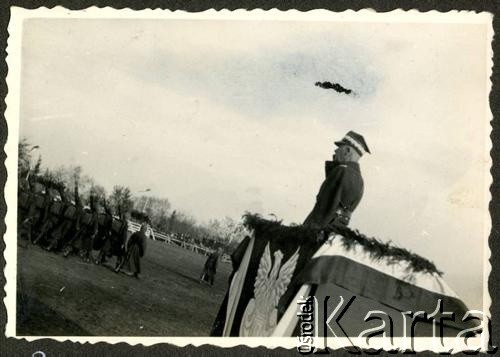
{"points": [[98, 192], [24, 157], [67, 174], [121, 199], [156, 208], [227, 230], [38, 166]]}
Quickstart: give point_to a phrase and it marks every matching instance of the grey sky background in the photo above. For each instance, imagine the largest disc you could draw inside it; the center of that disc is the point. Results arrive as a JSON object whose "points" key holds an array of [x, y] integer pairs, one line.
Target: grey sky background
{"points": [[222, 117]]}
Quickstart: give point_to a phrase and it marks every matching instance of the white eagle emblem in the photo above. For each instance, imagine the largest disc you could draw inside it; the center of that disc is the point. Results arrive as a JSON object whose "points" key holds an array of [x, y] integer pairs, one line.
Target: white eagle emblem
{"points": [[261, 314]]}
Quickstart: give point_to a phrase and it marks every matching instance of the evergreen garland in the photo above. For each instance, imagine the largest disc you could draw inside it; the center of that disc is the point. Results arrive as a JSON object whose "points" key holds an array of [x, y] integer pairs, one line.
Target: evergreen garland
{"points": [[375, 248]]}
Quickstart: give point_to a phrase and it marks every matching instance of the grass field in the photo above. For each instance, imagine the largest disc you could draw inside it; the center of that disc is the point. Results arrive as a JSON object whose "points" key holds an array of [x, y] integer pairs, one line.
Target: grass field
{"points": [[66, 297]]}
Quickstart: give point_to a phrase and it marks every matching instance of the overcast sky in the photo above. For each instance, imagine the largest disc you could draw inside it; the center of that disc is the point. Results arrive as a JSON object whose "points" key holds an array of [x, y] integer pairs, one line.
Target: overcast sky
{"points": [[222, 117]]}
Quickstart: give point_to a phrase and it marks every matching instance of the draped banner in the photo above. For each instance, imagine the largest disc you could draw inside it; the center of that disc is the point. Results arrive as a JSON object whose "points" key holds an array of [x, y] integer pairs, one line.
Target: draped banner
{"points": [[279, 267]]}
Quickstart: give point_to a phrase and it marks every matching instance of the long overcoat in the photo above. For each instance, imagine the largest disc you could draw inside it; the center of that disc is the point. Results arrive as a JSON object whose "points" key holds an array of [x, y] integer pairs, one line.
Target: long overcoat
{"points": [[338, 196]]}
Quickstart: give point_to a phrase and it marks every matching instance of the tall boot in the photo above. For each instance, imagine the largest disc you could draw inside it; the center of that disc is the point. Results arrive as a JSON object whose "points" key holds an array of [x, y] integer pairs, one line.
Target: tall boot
{"points": [[100, 258], [67, 250], [53, 244]]}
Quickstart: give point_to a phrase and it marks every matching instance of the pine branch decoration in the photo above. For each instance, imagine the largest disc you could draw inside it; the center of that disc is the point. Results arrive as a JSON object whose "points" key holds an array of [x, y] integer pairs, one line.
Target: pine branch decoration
{"points": [[376, 248]]}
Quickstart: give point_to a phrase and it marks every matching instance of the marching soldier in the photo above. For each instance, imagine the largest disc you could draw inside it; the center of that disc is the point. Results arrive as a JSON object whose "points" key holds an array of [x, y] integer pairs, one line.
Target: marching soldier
{"points": [[68, 222], [87, 225], [33, 213], [115, 244], [89, 231], [78, 225], [104, 232], [120, 239], [136, 247], [52, 212], [342, 189], [23, 200]]}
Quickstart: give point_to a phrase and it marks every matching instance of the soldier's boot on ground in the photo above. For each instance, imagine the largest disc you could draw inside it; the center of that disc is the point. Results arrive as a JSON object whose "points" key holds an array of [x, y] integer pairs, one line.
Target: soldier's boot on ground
{"points": [[52, 245], [30, 231], [120, 262], [118, 266], [38, 238], [83, 254], [100, 258], [89, 258], [67, 251], [29, 236]]}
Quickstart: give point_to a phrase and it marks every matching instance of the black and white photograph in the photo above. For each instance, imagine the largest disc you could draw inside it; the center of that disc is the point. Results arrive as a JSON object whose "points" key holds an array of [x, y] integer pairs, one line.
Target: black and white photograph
{"points": [[306, 180]]}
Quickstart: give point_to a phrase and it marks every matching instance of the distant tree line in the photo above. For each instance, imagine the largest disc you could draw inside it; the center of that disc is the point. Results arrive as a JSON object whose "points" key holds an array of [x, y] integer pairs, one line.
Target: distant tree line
{"points": [[163, 217]]}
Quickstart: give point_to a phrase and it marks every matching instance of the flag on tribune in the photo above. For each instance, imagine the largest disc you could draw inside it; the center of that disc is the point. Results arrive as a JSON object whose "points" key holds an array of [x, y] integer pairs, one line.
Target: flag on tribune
{"points": [[279, 266]]}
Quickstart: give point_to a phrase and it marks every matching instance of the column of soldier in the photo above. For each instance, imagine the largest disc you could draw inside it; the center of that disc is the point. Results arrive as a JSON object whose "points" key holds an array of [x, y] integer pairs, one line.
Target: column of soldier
{"points": [[53, 217]]}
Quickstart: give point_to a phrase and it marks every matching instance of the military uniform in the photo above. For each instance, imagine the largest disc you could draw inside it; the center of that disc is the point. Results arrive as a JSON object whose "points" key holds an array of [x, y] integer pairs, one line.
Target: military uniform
{"points": [[86, 226], [338, 196], [342, 189], [115, 241], [210, 268], [68, 222], [50, 217], [104, 230], [136, 247]]}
